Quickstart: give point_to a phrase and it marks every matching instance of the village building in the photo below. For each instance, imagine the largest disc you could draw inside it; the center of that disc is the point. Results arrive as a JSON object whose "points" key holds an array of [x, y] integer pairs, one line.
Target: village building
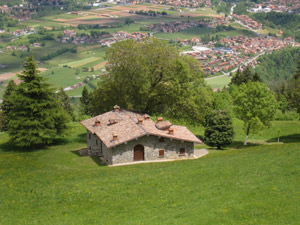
{"points": [[121, 136]]}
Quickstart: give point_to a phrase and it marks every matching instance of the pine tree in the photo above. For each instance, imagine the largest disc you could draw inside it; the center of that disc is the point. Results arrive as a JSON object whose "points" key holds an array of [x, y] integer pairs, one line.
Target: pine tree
{"points": [[218, 129], [37, 118], [243, 77], [7, 104], [65, 102], [85, 100]]}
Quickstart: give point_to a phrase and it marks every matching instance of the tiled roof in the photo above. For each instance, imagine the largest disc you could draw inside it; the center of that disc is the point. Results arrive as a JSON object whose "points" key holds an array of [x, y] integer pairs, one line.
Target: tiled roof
{"points": [[125, 125]]}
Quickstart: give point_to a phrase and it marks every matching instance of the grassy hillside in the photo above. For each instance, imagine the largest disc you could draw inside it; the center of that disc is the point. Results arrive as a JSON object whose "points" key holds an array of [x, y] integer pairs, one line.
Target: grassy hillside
{"points": [[254, 185]]}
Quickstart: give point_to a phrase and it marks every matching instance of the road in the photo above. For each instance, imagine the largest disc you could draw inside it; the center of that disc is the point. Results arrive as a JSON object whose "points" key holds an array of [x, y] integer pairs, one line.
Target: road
{"points": [[235, 69]]}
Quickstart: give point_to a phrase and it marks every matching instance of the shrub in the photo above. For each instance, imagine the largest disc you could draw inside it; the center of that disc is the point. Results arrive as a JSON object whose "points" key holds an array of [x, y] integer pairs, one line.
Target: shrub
{"points": [[218, 129]]}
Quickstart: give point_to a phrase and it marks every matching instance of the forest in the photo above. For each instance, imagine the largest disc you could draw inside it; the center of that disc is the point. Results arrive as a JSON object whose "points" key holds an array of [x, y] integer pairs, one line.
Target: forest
{"points": [[280, 65], [288, 23]]}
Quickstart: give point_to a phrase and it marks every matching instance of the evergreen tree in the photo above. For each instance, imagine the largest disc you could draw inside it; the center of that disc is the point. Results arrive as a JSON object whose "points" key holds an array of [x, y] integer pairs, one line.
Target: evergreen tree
{"points": [[85, 100], [36, 118], [218, 129], [242, 77], [7, 104], [65, 102]]}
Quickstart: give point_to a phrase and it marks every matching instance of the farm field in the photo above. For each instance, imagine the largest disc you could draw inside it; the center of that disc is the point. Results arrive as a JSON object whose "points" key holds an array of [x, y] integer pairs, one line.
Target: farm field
{"points": [[219, 82], [235, 186]]}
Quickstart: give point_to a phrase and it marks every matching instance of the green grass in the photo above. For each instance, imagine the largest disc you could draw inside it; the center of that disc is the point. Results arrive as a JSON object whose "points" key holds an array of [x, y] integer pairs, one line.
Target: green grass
{"points": [[14, 63], [254, 185], [219, 82], [81, 62]]}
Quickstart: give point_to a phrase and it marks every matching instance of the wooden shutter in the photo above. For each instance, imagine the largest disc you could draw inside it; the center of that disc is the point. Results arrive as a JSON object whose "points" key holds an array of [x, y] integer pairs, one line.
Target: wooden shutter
{"points": [[161, 153]]}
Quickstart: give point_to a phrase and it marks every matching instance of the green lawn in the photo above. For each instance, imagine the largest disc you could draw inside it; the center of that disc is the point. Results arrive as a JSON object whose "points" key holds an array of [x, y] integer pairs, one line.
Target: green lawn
{"points": [[219, 82], [254, 185]]}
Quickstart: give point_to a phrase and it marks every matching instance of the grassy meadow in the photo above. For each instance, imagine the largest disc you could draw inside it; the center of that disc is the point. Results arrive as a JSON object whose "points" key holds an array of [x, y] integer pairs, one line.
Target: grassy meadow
{"points": [[258, 184], [219, 82]]}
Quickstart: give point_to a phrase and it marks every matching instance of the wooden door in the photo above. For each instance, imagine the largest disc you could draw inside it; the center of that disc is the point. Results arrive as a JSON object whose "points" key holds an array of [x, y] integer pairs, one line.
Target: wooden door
{"points": [[138, 153]]}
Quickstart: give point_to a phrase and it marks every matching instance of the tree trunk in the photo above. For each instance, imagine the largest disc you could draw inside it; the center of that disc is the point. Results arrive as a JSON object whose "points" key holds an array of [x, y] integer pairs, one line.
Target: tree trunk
{"points": [[248, 130], [245, 142]]}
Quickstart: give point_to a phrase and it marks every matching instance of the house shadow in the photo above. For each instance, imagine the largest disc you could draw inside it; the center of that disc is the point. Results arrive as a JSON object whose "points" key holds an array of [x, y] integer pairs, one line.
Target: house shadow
{"points": [[293, 138], [97, 160], [84, 153]]}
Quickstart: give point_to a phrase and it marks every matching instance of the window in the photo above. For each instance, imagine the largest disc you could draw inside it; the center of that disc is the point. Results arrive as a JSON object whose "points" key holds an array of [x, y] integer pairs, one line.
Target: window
{"points": [[89, 135], [182, 151], [96, 141], [161, 153], [161, 139]]}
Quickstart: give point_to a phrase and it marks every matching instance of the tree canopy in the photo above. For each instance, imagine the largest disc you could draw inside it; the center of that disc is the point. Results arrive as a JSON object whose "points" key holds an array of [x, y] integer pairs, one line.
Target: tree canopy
{"points": [[218, 129], [152, 77], [36, 118], [254, 104], [244, 76]]}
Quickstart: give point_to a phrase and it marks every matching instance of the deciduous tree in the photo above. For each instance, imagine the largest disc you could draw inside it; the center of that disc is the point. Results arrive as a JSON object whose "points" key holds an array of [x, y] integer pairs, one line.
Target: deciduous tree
{"points": [[152, 77], [254, 104]]}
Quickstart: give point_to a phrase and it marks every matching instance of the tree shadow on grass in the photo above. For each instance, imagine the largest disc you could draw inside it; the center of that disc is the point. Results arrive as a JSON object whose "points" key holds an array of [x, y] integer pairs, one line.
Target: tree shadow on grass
{"points": [[81, 138], [240, 144], [293, 138]]}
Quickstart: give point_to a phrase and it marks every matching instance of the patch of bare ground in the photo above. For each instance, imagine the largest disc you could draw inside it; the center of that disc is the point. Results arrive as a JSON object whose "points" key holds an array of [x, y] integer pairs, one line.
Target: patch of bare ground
{"points": [[6, 76], [99, 65]]}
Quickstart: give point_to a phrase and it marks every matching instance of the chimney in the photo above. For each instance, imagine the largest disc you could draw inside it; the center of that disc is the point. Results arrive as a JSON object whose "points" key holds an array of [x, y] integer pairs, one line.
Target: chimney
{"points": [[159, 119], [115, 137], [140, 121], [97, 123], [116, 108], [146, 116], [171, 131]]}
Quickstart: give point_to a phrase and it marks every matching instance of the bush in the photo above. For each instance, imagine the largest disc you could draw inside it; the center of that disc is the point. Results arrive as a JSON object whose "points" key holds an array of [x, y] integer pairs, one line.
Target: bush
{"points": [[218, 129], [287, 116]]}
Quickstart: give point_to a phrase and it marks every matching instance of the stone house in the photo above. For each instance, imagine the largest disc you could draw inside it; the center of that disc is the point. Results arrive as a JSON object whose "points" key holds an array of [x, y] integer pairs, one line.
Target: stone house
{"points": [[121, 136]]}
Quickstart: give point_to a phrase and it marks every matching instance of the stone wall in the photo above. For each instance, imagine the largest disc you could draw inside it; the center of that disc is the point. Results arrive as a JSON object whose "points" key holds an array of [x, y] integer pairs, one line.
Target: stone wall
{"points": [[125, 153], [96, 147]]}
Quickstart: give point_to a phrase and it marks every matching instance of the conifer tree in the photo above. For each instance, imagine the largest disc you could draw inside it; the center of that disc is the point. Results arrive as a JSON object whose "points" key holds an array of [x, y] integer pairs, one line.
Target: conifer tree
{"points": [[7, 104], [242, 77], [218, 129], [36, 118], [85, 100], [65, 102]]}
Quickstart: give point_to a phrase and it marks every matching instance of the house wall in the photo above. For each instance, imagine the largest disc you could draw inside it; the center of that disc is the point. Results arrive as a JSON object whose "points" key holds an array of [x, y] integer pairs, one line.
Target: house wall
{"points": [[124, 153], [98, 149]]}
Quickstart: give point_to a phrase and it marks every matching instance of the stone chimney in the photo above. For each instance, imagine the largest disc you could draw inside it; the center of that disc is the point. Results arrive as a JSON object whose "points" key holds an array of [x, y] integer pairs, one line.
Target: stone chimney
{"points": [[117, 108], [146, 117], [171, 131], [140, 121], [115, 137], [97, 123], [159, 119]]}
